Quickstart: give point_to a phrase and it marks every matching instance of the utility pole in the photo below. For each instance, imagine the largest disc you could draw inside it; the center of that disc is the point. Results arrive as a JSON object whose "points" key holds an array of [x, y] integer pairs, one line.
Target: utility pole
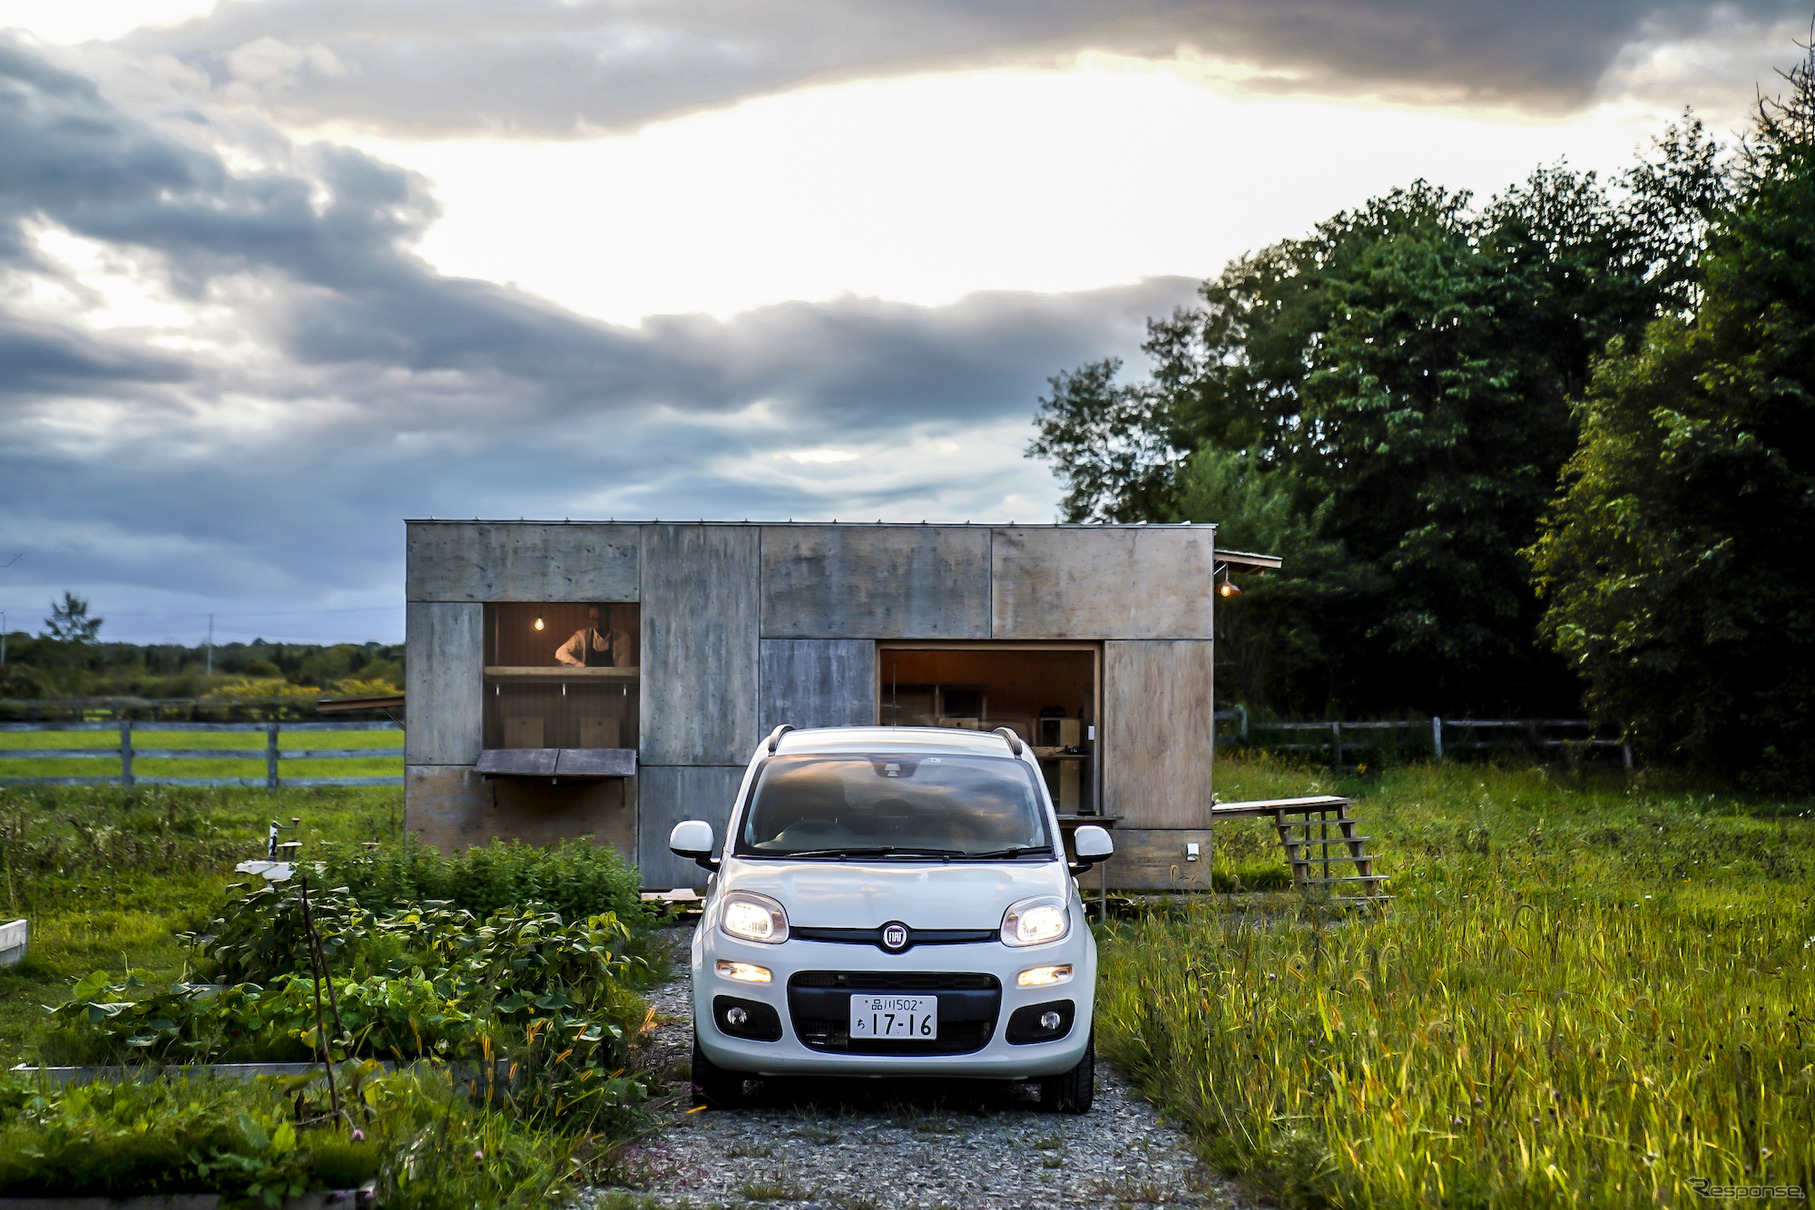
{"points": [[2, 636], [210, 645]]}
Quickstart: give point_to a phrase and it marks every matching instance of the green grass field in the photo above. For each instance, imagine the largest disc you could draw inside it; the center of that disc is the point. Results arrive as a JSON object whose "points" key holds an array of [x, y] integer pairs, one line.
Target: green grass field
{"points": [[108, 878], [1586, 993], [106, 762]]}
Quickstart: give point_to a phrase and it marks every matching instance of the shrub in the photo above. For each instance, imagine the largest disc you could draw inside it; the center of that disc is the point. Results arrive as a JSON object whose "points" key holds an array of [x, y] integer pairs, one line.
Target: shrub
{"points": [[577, 879]]}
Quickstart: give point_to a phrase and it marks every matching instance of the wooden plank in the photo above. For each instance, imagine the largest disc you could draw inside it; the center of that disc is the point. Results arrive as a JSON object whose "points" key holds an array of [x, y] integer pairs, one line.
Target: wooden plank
{"points": [[699, 644], [669, 794], [1156, 860], [444, 645], [451, 808], [817, 683], [1156, 733], [521, 561], [875, 582], [1109, 582]]}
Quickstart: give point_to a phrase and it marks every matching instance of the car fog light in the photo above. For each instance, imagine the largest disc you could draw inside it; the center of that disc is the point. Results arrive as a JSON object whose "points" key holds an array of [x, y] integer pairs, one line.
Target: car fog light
{"points": [[1043, 976], [737, 1018], [1047, 1020], [744, 972]]}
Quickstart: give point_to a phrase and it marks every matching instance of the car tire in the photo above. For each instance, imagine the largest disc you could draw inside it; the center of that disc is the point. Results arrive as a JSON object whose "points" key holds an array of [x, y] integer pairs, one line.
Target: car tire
{"points": [[1074, 1090], [715, 1087]]}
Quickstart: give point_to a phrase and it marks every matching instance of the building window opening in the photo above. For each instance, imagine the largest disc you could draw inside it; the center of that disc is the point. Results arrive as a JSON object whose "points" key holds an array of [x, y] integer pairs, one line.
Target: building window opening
{"points": [[562, 675], [1047, 696]]}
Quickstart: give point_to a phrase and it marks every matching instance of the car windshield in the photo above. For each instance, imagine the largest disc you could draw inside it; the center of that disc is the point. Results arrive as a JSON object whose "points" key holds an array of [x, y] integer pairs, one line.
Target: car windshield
{"points": [[891, 805]]}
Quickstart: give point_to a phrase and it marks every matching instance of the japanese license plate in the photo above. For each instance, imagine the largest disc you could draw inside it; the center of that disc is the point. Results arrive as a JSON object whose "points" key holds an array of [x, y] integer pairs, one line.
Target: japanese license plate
{"points": [[905, 1017]]}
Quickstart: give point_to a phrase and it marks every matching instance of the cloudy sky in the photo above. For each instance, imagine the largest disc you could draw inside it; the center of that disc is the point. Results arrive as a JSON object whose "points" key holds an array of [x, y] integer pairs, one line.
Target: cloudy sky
{"points": [[275, 274]]}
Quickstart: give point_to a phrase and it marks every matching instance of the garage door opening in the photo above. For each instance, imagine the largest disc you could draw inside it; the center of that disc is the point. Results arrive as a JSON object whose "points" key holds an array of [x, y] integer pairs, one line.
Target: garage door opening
{"points": [[1048, 695]]}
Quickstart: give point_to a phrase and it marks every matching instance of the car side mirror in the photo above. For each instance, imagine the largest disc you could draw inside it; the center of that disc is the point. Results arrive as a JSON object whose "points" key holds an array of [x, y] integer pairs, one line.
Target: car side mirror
{"points": [[1092, 845], [692, 839]]}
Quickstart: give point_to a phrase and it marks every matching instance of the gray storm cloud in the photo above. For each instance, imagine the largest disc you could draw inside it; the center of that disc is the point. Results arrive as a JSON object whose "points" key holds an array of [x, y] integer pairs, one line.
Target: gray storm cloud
{"points": [[322, 382], [555, 67]]}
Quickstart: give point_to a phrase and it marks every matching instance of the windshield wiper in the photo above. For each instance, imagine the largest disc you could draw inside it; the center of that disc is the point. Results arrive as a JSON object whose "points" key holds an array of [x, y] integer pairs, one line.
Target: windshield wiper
{"points": [[1020, 850], [881, 850]]}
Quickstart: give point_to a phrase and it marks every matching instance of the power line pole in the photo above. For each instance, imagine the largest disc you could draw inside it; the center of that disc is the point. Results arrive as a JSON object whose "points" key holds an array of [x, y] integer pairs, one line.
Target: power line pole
{"points": [[2, 636], [210, 645]]}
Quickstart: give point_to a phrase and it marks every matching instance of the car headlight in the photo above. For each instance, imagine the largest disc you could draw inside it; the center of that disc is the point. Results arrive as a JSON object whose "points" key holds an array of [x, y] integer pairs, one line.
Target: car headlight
{"points": [[1036, 921], [752, 917]]}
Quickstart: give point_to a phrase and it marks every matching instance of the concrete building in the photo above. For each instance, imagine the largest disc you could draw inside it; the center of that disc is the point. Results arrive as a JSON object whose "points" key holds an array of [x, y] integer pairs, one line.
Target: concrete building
{"points": [[609, 679]]}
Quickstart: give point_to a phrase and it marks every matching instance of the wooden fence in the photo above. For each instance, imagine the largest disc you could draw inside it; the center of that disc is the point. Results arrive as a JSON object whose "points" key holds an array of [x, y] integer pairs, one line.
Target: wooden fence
{"points": [[272, 753], [1433, 737]]}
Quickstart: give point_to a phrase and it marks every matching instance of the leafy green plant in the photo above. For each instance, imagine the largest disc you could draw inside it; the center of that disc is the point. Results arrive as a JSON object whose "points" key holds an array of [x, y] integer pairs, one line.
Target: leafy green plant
{"points": [[123, 1140], [577, 879]]}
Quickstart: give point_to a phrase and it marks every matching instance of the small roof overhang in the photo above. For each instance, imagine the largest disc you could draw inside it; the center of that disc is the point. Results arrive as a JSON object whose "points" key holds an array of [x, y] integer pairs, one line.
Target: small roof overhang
{"points": [[1246, 561], [557, 762]]}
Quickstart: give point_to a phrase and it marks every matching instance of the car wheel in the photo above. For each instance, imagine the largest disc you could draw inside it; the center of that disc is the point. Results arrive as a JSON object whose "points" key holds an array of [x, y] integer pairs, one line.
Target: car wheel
{"points": [[713, 1086], [1074, 1090]]}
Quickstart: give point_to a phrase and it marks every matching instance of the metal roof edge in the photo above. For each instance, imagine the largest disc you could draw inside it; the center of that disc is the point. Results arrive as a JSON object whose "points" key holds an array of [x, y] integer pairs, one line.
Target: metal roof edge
{"points": [[1209, 525]]}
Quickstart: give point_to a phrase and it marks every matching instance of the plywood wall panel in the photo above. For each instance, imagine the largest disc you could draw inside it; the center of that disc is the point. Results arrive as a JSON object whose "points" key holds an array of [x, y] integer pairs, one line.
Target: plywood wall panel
{"points": [[1156, 733], [875, 582], [498, 561], [817, 683], [1121, 583], [699, 620], [444, 687], [666, 796], [450, 808], [1157, 861]]}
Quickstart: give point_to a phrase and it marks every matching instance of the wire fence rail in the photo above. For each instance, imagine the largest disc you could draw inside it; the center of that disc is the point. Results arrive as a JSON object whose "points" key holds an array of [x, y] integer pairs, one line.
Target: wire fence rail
{"points": [[127, 752], [1434, 737]]}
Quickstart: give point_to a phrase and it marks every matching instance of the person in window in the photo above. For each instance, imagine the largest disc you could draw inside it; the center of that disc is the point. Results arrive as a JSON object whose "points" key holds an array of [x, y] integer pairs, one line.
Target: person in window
{"points": [[590, 647]]}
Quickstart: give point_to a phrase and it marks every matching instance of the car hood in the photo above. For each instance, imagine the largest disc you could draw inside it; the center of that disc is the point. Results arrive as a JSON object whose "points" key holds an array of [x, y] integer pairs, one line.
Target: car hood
{"points": [[856, 894]]}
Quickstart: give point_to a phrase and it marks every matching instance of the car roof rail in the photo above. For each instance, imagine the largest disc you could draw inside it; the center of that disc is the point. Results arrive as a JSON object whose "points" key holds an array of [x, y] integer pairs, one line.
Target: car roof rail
{"points": [[775, 736], [1014, 741]]}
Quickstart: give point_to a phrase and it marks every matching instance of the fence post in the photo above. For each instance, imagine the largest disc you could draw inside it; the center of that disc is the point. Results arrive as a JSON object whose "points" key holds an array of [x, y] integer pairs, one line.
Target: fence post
{"points": [[126, 753], [1243, 711], [1336, 743], [1436, 739], [271, 757]]}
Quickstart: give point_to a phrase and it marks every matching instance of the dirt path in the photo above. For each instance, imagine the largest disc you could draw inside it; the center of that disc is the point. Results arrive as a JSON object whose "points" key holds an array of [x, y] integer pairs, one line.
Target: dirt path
{"points": [[862, 1143]]}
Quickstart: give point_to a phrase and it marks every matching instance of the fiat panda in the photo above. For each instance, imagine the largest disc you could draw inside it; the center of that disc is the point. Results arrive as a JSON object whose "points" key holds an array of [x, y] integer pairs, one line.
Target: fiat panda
{"points": [[893, 901]]}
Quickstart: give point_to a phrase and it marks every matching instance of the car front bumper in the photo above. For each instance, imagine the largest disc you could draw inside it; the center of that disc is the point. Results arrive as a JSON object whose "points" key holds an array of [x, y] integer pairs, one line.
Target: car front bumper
{"points": [[998, 1058]]}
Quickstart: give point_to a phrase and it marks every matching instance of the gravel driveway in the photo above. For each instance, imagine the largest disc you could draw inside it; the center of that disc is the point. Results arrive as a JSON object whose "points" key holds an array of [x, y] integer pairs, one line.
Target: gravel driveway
{"points": [[865, 1143]]}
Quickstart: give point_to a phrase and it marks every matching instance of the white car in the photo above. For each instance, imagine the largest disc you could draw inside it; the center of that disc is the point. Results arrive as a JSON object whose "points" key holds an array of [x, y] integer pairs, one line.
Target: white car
{"points": [[893, 901]]}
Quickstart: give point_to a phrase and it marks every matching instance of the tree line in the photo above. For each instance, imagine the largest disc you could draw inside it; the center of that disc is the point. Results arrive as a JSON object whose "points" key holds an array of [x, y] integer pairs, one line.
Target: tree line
{"points": [[1549, 450], [68, 658]]}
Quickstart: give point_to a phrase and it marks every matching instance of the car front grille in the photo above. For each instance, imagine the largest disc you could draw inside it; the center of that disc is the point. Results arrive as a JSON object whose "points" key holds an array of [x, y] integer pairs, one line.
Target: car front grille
{"points": [[819, 1006]]}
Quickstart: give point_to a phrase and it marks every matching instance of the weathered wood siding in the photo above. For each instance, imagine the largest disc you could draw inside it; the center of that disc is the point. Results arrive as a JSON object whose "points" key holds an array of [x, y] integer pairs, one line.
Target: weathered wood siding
{"points": [[1156, 733], [1157, 861], [444, 683], [666, 796], [1121, 583], [875, 582], [504, 562], [817, 683], [699, 644], [452, 807]]}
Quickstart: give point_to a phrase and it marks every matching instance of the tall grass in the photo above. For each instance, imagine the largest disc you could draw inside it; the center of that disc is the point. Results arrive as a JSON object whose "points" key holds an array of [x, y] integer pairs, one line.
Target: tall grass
{"points": [[1583, 996]]}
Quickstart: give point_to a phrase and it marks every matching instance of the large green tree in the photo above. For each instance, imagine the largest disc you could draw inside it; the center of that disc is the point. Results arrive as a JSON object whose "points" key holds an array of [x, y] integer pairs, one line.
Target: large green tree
{"points": [[1679, 560], [1402, 375]]}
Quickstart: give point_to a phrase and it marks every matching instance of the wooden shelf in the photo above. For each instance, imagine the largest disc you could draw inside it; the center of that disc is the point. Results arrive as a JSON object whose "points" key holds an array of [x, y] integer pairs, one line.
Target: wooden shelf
{"points": [[505, 672]]}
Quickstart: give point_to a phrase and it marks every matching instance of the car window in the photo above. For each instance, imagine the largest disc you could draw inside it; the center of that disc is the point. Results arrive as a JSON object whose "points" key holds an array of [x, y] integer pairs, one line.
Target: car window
{"points": [[894, 805]]}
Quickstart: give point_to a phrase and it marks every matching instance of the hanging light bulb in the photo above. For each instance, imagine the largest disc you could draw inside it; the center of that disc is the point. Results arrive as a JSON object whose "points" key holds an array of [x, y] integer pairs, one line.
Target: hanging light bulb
{"points": [[1227, 588], [538, 623]]}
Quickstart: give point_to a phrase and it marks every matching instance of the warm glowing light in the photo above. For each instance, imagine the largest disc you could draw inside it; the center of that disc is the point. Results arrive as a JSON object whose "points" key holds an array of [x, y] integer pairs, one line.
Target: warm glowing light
{"points": [[538, 623], [1227, 589], [1042, 976], [747, 972]]}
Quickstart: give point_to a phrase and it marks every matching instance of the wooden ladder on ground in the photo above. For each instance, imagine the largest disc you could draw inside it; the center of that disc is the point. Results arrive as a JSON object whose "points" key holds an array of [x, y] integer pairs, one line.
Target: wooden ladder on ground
{"points": [[1327, 840]]}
